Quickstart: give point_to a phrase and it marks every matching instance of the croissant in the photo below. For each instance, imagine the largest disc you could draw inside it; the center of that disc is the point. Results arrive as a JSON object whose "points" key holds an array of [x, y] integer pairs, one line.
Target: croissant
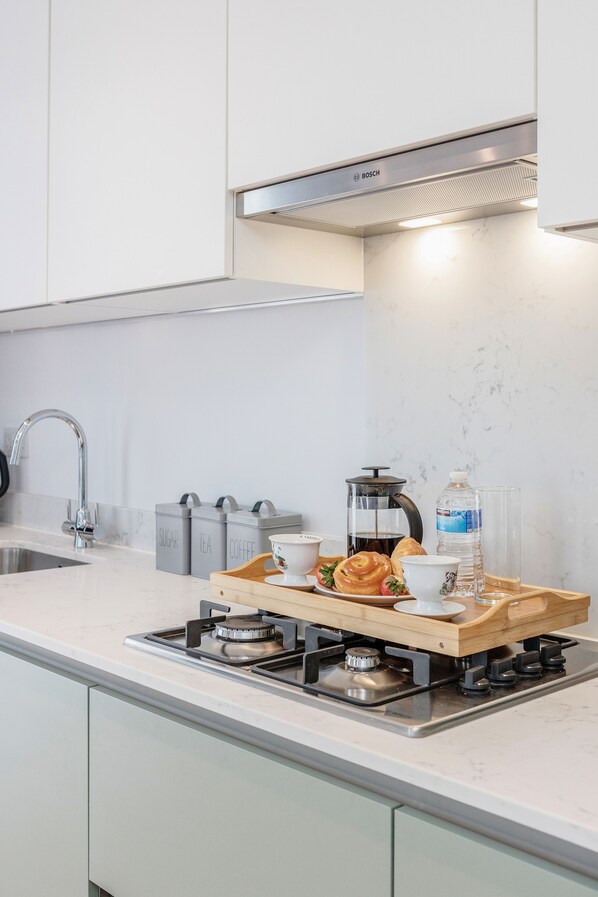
{"points": [[405, 548], [363, 573]]}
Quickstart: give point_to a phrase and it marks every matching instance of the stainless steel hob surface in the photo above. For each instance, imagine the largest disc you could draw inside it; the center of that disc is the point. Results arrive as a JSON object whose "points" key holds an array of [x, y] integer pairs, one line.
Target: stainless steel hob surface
{"points": [[393, 686]]}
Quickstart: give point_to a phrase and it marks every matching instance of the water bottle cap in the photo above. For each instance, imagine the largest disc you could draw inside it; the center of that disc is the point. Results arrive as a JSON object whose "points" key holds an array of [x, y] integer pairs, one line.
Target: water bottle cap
{"points": [[458, 476]]}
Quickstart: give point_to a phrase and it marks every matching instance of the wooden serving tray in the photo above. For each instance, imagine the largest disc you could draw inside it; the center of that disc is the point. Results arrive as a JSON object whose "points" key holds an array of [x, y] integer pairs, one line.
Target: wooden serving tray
{"points": [[478, 628]]}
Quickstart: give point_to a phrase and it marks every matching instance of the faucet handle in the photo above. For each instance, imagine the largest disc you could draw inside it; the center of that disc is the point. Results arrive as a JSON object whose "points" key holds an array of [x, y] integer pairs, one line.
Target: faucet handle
{"points": [[69, 524], [94, 520]]}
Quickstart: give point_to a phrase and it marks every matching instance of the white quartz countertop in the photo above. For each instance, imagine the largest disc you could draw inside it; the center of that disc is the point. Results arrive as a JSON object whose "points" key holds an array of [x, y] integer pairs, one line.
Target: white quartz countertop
{"points": [[535, 763]]}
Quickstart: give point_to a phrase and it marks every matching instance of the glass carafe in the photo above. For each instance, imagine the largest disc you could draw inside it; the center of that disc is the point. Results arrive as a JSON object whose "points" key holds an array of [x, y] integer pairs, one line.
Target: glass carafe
{"points": [[374, 505]]}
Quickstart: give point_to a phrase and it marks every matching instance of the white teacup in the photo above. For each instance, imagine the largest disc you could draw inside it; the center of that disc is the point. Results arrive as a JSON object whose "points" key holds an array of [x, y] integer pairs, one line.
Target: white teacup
{"points": [[295, 554], [430, 578]]}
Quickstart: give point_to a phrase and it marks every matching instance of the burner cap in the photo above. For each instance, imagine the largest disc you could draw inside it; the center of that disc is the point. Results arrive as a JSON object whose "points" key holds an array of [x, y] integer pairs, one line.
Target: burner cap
{"points": [[244, 629], [361, 659]]}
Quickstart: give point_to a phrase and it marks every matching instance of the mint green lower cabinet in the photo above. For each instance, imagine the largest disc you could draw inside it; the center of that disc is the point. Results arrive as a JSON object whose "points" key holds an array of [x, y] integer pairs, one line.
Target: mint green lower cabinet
{"points": [[43, 781], [176, 810], [433, 857]]}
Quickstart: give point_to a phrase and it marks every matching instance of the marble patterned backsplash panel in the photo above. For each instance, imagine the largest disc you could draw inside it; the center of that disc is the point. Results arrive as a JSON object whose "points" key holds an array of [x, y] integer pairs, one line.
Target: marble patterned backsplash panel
{"points": [[482, 353], [125, 527]]}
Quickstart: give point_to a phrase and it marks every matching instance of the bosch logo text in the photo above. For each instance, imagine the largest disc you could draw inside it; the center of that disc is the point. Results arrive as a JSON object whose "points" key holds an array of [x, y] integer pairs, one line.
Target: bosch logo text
{"points": [[374, 173]]}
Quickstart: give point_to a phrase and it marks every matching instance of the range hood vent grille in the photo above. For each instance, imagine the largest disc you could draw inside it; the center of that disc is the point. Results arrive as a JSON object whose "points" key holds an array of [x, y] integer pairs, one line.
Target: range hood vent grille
{"points": [[473, 190], [472, 177]]}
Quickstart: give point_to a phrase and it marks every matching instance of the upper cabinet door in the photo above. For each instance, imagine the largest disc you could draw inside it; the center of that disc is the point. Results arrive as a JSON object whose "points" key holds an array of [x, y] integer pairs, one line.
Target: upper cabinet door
{"points": [[321, 82], [567, 125], [137, 145], [24, 37]]}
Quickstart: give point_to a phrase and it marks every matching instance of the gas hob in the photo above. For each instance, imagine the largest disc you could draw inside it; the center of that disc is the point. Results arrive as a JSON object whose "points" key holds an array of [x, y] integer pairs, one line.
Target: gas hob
{"points": [[393, 686]]}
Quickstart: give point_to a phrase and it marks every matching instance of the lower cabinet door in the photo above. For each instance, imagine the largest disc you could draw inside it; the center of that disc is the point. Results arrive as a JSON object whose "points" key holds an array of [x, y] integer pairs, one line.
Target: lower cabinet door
{"points": [[43, 781], [175, 810], [433, 857]]}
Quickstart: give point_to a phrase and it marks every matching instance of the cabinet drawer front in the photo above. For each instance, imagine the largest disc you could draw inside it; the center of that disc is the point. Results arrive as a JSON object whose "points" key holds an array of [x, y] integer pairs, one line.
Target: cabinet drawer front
{"points": [[43, 781], [177, 810], [433, 856]]}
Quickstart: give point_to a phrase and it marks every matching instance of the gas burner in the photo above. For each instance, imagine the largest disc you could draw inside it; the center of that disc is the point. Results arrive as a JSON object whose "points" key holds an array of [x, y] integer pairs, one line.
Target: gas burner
{"points": [[360, 659], [239, 640], [366, 672], [249, 628]]}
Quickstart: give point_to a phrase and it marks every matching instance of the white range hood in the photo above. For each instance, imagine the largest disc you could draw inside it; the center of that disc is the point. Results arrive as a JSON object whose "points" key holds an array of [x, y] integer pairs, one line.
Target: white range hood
{"points": [[472, 177]]}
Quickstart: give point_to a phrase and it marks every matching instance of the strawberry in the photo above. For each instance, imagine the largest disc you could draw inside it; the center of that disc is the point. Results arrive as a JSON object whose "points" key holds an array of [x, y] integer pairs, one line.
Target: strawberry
{"points": [[393, 586], [325, 575]]}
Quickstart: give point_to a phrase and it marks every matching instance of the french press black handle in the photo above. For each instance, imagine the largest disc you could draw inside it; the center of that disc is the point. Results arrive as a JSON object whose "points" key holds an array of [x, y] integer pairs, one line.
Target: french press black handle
{"points": [[416, 527], [4, 474]]}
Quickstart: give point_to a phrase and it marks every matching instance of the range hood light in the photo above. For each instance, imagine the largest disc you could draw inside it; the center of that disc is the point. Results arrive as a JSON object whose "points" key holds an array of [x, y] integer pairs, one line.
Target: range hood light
{"points": [[530, 203], [420, 222]]}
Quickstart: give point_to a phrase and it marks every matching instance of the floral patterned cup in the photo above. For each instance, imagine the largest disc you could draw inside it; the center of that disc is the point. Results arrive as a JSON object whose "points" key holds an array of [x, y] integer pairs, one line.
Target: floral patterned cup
{"points": [[430, 578], [295, 554]]}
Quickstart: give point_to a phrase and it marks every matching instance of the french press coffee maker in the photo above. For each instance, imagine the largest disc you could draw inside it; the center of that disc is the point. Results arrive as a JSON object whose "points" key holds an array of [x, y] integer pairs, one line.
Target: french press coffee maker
{"points": [[374, 505]]}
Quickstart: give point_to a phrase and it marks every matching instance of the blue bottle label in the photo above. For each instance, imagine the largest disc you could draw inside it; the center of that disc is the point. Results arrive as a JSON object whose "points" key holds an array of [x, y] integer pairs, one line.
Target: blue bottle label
{"points": [[458, 521]]}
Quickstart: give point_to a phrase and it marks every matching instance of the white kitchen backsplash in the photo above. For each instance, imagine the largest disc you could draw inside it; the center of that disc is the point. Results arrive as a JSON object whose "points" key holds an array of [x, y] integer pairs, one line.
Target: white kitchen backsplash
{"points": [[126, 527], [482, 353], [258, 403], [481, 350], [129, 527]]}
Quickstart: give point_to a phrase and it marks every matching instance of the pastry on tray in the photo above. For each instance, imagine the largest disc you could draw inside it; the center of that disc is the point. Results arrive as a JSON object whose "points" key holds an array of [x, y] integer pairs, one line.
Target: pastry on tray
{"points": [[407, 547], [369, 573], [362, 574]]}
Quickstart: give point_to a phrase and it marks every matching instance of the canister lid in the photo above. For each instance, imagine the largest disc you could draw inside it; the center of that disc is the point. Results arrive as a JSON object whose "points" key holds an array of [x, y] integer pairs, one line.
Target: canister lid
{"points": [[181, 507], [264, 515], [218, 512]]}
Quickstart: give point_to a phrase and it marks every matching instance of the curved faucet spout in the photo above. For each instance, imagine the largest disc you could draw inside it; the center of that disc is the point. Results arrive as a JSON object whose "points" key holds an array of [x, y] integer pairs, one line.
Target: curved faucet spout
{"points": [[81, 525]]}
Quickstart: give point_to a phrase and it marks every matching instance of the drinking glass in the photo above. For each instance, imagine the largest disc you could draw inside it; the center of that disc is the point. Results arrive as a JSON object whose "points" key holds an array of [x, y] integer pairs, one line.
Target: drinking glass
{"points": [[501, 542]]}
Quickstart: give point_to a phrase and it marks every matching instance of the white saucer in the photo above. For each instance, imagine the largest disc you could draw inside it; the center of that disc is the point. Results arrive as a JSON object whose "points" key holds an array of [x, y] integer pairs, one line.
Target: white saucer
{"points": [[276, 580], [451, 609]]}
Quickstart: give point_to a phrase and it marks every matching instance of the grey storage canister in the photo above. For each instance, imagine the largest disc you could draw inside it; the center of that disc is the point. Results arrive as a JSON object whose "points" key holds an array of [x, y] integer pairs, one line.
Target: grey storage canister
{"points": [[173, 535], [247, 531], [208, 536]]}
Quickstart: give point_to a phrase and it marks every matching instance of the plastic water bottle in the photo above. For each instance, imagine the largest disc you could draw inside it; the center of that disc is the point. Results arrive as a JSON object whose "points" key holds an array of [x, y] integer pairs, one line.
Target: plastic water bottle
{"points": [[458, 526]]}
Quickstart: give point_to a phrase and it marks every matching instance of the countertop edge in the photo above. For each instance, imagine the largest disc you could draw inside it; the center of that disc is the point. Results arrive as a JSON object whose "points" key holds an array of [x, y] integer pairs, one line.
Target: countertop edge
{"points": [[544, 846]]}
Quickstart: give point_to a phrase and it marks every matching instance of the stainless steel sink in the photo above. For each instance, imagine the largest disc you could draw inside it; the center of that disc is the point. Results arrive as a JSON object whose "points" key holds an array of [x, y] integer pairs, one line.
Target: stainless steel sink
{"points": [[23, 560]]}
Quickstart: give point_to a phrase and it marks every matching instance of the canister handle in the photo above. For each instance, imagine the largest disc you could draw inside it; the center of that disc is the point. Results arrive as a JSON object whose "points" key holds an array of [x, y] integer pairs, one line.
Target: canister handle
{"points": [[195, 502], [269, 506], [233, 506]]}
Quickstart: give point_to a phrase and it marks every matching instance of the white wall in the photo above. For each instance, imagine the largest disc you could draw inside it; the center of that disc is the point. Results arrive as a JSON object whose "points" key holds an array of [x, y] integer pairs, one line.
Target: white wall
{"points": [[481, 349], [249, 402], [482, 352]]}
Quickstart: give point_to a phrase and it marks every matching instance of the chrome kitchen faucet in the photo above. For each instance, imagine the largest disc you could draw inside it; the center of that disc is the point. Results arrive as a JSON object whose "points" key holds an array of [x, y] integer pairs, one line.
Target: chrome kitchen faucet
{"points": [[81, 527]]}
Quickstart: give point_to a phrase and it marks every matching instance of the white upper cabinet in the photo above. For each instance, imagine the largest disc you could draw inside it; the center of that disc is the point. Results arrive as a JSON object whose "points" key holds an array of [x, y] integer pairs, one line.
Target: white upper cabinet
{"points": [[137, 145], [321, 82], [24, 35], [567, 124]]}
